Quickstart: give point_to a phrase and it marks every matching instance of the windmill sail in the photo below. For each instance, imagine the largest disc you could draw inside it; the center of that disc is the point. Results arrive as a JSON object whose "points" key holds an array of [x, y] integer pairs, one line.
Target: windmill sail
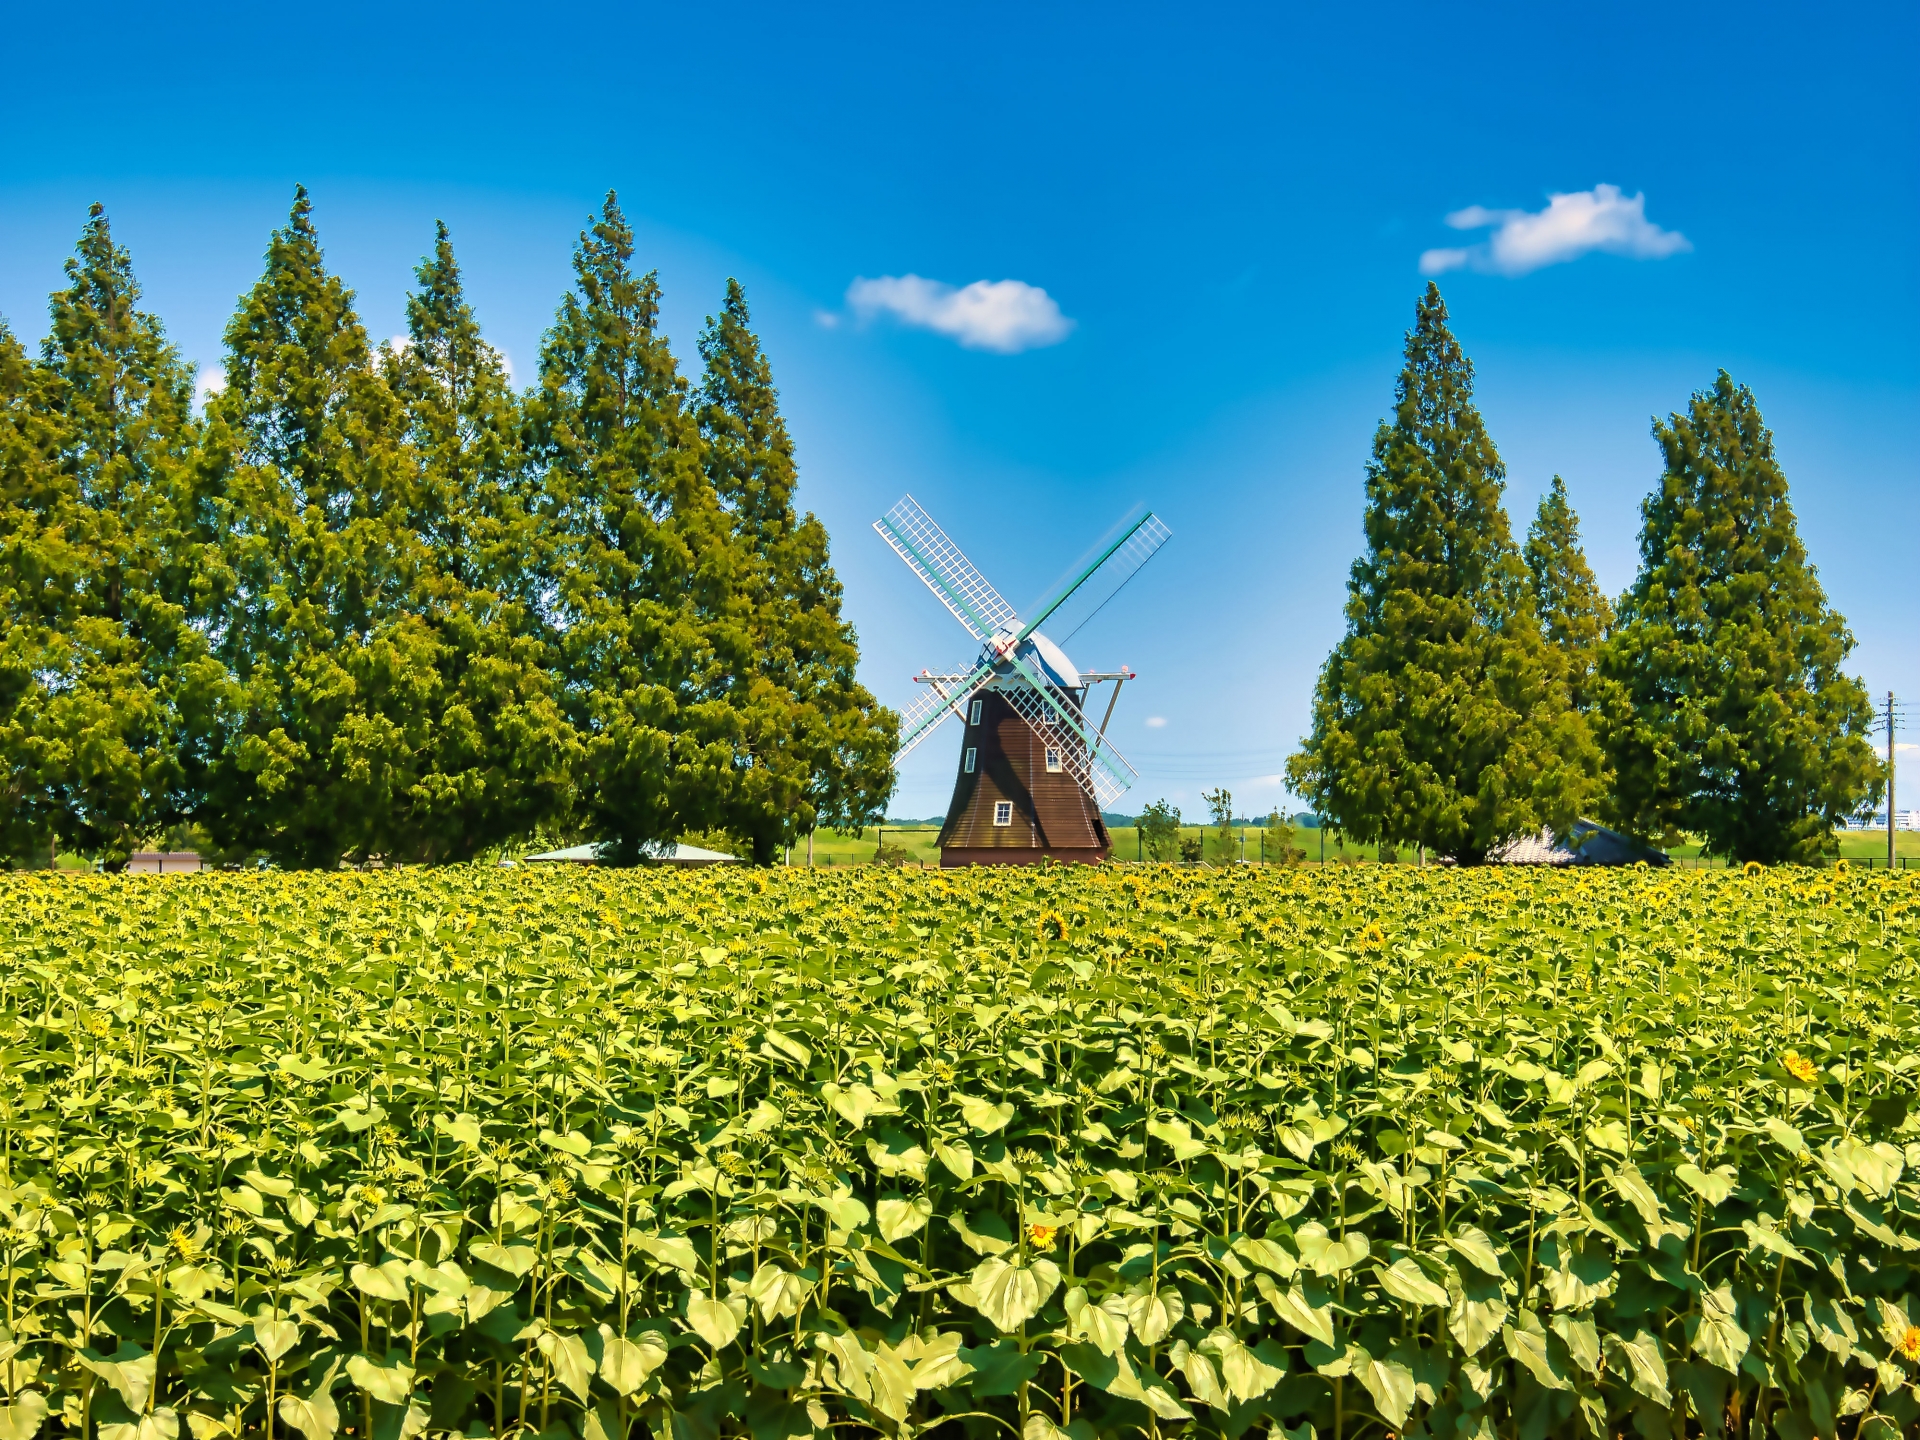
{"points": [[946, 696], [1109, 775], [1097, 582], [1095, 765], [946, 571]]}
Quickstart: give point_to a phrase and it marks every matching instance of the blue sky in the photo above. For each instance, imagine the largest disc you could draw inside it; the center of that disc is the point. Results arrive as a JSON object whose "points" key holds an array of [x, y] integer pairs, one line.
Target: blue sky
{"points": [[1226, 210]]}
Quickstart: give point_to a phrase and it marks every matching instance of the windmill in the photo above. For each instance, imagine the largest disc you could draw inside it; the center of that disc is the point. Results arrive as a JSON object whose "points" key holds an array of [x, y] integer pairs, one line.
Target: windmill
{"points": [[1034, 775]]}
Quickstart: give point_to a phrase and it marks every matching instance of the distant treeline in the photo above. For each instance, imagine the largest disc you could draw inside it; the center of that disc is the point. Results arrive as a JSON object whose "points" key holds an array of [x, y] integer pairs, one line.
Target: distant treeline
{"points": [[375, 601]]}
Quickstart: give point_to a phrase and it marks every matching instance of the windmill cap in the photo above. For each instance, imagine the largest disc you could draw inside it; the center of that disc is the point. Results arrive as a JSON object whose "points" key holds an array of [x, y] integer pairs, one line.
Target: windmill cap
{"points": [[1061, 670]]}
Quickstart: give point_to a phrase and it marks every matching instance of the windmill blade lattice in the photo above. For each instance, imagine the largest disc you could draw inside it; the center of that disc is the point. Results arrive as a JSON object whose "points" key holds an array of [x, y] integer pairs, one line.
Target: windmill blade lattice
{"points": [[947, 572], [1082, 597], [1106, 771], [946, 696], [1100, 769]]}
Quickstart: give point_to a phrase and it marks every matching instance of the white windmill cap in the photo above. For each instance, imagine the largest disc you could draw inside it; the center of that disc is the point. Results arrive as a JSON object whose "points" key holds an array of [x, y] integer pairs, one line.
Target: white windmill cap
{"points": [[1061, 669]]}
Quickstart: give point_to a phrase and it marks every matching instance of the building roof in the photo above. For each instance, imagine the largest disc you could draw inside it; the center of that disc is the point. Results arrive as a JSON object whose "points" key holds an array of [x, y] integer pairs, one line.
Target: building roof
{"points": [[676, 855], [1586, 844], [1541, 849]]}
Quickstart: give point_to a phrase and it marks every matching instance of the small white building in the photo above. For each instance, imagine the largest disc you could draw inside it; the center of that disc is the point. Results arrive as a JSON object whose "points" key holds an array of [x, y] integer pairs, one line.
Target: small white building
{"points": [[676, 855]]}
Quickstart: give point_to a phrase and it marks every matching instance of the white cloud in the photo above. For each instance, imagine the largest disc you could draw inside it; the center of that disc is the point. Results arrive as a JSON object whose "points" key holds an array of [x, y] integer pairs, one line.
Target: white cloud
{"points": [[1005, 316], [1156, 722], [1571, 226], [207, 384], [1438, 262]]}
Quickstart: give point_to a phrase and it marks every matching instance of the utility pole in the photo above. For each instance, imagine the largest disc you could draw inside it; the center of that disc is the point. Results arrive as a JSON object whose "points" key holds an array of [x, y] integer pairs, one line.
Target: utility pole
{"points": [[1889, 779]]}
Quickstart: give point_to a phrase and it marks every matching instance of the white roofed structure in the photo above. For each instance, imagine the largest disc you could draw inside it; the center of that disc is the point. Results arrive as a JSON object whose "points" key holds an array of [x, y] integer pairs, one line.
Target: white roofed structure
{"points": [[676, 855]]}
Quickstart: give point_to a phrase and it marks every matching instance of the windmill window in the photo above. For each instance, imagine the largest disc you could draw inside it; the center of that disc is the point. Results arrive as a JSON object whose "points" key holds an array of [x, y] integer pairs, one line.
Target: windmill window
{"points": [[972, 755], [973, 713], [1053, 761], [1003, 812]]}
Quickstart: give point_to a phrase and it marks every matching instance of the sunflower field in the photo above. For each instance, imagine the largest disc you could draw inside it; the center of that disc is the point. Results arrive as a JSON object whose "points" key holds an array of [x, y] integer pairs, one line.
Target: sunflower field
{"points": [[589, 1154]]}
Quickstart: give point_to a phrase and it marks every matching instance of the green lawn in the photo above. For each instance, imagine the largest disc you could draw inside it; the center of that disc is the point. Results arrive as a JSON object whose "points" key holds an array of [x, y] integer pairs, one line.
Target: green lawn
{"points": [[919, 841], [1857, 847], [832, 849]]}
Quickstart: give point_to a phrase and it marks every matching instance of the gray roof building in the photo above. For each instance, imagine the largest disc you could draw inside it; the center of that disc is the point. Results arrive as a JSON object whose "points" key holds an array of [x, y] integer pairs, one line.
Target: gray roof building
{"points": [[1586, 843]]}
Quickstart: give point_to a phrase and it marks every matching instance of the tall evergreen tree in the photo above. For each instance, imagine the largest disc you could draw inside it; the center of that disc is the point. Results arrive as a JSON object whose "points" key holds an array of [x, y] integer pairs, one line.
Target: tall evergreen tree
{"points": [[1728, 715], [336, 678], [644, 576], [1440, 718], [1572, 610], [99, 536], [817, 747], [43, 575], [497, 760], [142, 688]]}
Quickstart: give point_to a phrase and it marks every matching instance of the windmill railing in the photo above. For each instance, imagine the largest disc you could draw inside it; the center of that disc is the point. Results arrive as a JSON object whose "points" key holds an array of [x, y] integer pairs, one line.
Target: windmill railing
{"points": [[1093, 761]]}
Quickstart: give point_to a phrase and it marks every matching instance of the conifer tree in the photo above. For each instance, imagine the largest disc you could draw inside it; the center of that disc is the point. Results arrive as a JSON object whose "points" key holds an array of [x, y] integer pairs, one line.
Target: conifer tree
{"points": [[646, 583], [497, 760], [1573, 613], [1440, 719], [143, 689], [42, 577], [335, 678], [123, 683], [817, 748], [1728, 715], [374, 604]]}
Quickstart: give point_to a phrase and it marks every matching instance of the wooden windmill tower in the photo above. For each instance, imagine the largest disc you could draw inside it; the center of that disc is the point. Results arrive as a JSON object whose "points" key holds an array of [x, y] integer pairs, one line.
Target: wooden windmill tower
{"points": [[1033, 775]]}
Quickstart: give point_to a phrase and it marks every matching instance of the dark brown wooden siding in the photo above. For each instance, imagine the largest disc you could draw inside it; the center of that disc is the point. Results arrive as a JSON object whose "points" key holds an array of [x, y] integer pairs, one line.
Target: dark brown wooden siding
{"points": [[1051, 813]]}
